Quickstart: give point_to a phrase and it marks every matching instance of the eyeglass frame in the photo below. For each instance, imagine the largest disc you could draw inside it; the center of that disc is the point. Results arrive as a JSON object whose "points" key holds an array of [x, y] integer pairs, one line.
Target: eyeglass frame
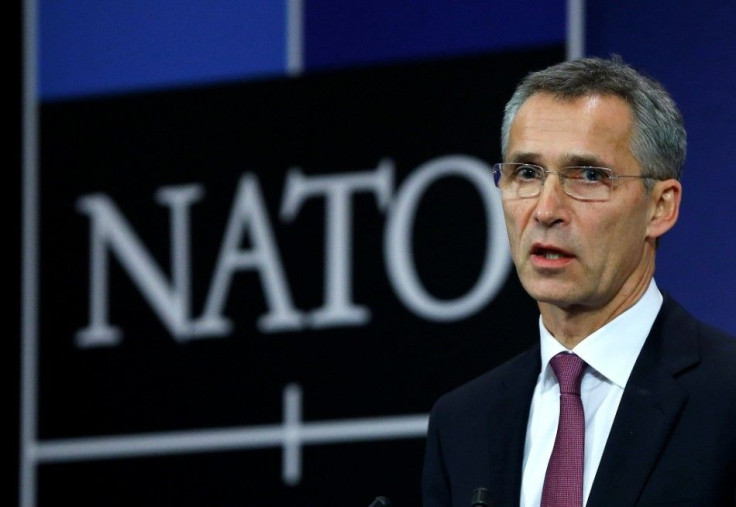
{"points": [[607, 172]]}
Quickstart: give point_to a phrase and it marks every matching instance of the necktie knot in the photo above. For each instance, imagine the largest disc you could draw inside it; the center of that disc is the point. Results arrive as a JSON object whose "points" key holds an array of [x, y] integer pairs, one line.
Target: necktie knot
{"points": [[569, 370]]}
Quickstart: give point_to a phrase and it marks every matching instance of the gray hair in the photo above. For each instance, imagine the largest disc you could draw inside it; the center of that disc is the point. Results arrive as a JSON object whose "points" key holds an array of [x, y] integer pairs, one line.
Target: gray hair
{"points": [[658, 141]]}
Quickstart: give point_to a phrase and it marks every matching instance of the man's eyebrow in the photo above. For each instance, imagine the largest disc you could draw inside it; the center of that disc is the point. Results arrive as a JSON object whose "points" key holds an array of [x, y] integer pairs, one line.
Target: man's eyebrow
{"points": [[584, 159], [569, 159], [524, 157]]}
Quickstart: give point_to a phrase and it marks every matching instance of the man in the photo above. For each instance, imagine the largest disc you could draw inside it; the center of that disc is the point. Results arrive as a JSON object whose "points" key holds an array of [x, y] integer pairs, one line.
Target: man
{"points": [[627, 400]]}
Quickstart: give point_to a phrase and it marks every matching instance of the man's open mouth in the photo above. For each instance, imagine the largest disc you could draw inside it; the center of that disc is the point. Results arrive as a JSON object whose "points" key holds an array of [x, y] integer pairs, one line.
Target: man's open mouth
{"points": [[549, 252]]}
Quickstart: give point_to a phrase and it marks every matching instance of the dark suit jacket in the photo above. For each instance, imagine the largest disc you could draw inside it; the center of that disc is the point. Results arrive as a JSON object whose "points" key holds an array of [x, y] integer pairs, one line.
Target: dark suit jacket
{"points": [[673, 440]]}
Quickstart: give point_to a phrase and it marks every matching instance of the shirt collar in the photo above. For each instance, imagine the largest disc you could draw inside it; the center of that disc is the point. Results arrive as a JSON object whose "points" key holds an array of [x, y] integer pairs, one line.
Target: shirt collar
{"points": [[613, 349]]}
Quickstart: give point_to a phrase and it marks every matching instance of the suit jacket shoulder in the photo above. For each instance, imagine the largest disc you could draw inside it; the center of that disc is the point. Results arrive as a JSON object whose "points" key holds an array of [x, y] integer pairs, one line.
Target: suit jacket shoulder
{"points": [[673, 438]]}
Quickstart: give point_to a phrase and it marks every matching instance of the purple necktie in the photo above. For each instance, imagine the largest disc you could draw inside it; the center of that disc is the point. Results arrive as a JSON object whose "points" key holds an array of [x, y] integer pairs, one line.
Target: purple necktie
{"points": [[563, 482]]}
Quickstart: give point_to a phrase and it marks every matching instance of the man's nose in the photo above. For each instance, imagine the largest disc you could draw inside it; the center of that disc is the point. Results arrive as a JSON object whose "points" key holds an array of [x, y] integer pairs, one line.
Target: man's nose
{"points": [[551, 201]]}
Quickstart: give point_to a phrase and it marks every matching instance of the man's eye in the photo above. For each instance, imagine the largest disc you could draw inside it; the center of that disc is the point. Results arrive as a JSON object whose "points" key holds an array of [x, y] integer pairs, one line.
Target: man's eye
{"points": [[591, 175], [527, 172]]}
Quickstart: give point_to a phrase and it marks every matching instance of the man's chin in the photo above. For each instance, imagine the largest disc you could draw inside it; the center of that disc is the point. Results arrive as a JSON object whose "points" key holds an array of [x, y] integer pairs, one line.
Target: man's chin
{"points": [[556, 294]]}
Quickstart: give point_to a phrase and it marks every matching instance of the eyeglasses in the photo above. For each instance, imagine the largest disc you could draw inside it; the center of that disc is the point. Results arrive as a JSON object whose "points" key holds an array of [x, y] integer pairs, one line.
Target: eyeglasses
{"points": [[586, 183]]}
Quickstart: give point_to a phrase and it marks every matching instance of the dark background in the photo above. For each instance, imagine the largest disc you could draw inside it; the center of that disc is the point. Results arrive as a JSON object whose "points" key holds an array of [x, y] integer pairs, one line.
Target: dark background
{"points": [[396, 364]]}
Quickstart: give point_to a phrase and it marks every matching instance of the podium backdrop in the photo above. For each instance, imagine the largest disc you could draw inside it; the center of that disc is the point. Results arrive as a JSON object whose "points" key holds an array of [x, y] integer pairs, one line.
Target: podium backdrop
{"points": [[261, 238]]}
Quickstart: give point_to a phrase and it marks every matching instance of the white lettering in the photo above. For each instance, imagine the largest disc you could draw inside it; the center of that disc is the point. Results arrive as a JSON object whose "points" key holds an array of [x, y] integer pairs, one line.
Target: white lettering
{"points": [[397, 241], [249, 223], [337, 189], [110, 231], [249, 216]]}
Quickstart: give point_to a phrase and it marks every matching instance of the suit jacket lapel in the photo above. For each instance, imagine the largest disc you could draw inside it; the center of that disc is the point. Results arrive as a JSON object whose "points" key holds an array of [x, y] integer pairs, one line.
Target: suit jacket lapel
{"points": [[508, 426], [649, 410]]}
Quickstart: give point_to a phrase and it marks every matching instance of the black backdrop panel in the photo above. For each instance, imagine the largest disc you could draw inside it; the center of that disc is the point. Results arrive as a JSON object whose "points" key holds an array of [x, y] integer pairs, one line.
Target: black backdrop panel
{"points": [[122, 151]]}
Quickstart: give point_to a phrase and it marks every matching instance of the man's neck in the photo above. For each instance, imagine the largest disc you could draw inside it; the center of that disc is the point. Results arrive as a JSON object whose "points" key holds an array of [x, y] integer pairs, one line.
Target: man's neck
{"points": [[573, 324]]}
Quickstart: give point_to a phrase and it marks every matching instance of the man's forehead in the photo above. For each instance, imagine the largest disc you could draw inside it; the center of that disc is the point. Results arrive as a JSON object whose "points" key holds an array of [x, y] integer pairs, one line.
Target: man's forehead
{"points": [[586, 130], [545, 110]]}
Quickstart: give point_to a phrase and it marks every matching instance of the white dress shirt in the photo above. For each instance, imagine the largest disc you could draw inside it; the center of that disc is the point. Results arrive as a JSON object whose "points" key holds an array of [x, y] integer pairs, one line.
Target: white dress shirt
{"points": [[610, 352]]}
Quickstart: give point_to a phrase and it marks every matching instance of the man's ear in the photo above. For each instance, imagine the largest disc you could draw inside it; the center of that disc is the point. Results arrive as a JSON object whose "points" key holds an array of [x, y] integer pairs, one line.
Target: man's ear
{"points": [[665, 199]]}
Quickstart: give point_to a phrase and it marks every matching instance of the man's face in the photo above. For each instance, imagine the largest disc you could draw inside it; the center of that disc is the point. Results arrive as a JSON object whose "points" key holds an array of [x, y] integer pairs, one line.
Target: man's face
{"points": [[573, 254]]}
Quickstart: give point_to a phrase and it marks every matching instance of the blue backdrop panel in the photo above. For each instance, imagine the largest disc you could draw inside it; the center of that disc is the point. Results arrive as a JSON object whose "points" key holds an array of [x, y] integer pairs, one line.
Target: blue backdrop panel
{"points": [[352, 33], [691, 48], [90, 47]]}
